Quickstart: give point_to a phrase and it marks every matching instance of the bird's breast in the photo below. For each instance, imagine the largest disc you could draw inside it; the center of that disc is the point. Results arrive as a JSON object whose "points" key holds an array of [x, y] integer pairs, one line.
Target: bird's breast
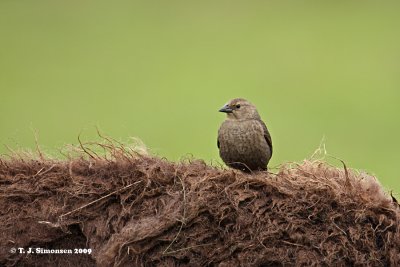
{"points": [[241, 138]]}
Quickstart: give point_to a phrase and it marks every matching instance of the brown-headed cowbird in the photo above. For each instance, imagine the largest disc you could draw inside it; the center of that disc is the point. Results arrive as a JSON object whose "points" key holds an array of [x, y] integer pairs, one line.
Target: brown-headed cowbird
{"points": [[243, 139]]}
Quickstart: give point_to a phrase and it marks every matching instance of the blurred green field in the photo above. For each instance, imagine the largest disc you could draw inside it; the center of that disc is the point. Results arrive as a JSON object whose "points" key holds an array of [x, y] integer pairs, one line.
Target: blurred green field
{"points": [[160, 70]]}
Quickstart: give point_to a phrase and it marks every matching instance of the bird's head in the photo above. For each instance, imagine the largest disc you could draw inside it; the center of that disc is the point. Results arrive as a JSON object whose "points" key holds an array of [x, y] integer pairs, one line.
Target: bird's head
{"points": [[240, 109]]}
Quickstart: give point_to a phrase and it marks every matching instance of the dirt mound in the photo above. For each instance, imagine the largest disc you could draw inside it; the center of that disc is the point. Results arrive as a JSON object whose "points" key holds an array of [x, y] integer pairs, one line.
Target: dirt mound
{"points": [[135, 210]]}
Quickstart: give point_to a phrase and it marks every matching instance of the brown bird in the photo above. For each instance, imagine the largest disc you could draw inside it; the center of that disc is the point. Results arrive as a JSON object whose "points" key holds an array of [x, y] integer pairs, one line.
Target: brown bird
{"points": [[243, 139]]}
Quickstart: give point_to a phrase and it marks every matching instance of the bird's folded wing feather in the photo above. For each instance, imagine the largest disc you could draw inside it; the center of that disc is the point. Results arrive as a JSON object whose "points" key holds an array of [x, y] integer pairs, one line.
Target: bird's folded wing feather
{"points": [[219, 132], [267, 136]]}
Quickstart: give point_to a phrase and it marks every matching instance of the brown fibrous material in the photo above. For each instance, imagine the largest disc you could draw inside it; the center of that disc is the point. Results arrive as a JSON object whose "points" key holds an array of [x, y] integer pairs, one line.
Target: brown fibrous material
{"points": [[132, 209]]}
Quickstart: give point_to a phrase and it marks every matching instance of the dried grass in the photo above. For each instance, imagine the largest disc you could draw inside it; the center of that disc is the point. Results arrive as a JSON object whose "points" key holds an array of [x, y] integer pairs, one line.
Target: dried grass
{"points": [[137, 210]]}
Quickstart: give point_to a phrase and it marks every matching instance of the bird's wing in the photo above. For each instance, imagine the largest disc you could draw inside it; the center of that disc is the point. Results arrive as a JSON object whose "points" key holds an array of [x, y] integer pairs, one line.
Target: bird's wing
{"points": [[218, 137], [267, 136]]}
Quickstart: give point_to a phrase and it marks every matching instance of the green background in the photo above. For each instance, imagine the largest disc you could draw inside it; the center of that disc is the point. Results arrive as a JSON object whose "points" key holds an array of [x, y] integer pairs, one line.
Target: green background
{"points": [[160, 70]]}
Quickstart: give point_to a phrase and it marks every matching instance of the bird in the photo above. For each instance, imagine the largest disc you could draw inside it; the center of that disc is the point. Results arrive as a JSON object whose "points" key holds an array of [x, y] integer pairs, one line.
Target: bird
{"points": [[244, 141]]}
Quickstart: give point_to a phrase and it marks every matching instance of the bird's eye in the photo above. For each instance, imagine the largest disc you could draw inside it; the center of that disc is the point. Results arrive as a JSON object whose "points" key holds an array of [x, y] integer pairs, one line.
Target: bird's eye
{"points": [[237, 105]]}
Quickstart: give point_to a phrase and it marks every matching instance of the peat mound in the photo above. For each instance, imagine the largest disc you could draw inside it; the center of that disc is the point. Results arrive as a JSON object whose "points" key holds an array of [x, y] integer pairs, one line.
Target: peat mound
{"points": [[138, 210]]}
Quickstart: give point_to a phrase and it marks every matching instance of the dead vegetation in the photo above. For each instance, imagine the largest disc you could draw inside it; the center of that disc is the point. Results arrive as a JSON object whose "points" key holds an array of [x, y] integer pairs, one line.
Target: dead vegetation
{"points": [[136, 210]]}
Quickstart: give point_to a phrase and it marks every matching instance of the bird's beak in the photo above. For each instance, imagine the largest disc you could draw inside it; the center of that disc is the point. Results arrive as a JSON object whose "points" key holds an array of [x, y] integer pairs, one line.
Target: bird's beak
{"points": [[226, 109]]}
